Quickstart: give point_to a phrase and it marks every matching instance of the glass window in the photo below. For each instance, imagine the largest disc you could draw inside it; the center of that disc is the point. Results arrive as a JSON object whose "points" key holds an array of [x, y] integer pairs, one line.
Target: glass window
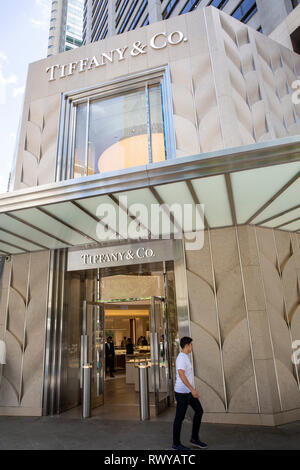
{"points": [[124, 130], [128, 16], [146, 21], [124, 5], [80, 140], [218, 3], [190, 6], [169, 9], [138, 16], [245, 10], [157, 132]]}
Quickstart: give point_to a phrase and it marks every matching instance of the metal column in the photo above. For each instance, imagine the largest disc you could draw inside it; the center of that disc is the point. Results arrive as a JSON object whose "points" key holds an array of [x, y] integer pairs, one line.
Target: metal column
{"points": [[86, 394], [144, 392]]}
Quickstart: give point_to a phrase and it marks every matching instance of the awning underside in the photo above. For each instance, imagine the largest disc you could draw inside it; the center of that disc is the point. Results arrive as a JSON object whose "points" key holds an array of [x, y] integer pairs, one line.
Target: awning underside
{"points": [[266, 196]]}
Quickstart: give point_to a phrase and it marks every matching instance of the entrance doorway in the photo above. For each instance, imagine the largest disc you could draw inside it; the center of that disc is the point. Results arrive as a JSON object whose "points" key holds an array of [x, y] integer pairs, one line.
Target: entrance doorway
{"points": [[136, 302], [119, 334]]}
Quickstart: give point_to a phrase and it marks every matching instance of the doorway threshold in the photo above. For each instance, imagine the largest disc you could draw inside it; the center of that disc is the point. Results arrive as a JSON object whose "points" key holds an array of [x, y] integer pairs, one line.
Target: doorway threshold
{"points": [[120, 413]]}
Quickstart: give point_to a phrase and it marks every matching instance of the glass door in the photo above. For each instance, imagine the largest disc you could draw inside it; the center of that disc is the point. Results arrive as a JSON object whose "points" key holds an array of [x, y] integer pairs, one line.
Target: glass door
{"points": [[93, 349], [160, 376]]}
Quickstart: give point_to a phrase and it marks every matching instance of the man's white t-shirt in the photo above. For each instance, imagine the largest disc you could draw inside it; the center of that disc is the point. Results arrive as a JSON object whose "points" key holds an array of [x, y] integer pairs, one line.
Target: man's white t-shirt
{"points": [[183, 362]]}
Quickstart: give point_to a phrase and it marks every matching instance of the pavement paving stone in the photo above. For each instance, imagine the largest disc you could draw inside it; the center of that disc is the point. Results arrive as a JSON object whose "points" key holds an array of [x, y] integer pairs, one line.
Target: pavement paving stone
{"points": [[57, 433]]}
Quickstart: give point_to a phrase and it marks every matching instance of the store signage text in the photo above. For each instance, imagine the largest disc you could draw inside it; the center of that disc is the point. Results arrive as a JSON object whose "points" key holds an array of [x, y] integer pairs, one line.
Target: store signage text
{"points": [[118, 256], [157, 42]]}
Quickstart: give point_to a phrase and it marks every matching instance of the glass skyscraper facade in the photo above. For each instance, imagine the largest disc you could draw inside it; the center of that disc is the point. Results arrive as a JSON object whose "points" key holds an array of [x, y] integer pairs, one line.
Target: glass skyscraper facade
{"points": [[104, 18], [77, 22], [66, 25], [74, 24]]}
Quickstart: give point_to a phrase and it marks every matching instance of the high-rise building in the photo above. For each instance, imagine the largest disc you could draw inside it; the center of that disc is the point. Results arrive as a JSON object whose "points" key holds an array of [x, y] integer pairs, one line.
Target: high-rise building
{"points": [[156, 194], [66, 24], [103, 18]]}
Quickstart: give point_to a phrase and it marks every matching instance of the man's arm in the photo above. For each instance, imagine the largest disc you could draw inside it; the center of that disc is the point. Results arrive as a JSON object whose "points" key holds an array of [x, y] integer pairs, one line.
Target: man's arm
{"points": [[187, 383]]}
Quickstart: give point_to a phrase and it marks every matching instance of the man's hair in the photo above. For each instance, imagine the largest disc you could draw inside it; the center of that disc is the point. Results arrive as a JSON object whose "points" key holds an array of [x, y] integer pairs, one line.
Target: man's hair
{"points": [[185, 340]]}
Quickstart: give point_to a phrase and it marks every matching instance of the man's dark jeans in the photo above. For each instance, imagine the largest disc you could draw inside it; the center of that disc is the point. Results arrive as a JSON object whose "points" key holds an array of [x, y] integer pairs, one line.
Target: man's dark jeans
{"points": [[183, 401]]}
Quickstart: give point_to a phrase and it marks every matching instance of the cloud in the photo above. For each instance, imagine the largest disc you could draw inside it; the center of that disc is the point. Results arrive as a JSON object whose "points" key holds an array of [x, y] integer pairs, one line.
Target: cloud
{"points": [[38, 23], [4, 81], [42, 14], [3, 188], [18, 91], [3, 57]]}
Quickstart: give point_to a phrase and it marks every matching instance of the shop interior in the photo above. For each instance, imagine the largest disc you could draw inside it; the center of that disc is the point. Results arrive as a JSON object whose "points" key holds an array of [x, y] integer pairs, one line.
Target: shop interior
{"points": [[119, 306], [128, 323]]}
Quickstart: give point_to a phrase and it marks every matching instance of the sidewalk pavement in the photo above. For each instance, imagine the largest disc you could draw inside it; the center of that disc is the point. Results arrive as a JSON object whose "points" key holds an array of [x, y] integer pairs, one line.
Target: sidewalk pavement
{"points": [[59, 433]]}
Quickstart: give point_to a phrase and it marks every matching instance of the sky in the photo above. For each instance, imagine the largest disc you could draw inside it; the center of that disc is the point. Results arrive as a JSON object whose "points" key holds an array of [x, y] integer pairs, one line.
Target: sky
{"points": [[24, 31]]}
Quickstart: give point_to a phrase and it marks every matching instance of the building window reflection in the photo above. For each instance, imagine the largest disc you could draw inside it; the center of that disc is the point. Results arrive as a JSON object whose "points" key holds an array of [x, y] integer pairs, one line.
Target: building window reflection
{"points": [[119, 131]]}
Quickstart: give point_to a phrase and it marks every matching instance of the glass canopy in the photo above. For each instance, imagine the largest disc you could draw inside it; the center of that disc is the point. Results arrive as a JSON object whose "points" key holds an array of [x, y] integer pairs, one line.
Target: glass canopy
{"points": [[256, 186]]}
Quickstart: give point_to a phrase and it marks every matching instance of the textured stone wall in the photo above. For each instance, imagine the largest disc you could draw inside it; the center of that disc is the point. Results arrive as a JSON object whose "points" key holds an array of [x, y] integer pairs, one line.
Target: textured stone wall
{"points": [[230, 86], [244, 302], [233, 89], [23, 308], [282, 33], [41, 132]]}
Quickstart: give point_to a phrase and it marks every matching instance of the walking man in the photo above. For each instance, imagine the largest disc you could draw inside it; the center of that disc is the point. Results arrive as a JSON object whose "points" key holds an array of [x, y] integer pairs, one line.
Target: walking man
{"points": [[186, 395]]}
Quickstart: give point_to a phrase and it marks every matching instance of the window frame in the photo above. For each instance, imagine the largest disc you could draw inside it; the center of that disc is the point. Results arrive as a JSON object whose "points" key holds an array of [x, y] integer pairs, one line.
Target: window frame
{"points": [[70, 100]]}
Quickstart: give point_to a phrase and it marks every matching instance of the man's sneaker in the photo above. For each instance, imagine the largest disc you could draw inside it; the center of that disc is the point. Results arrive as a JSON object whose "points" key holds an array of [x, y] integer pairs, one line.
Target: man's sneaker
{"points": [[180, 447], [198, 443]]}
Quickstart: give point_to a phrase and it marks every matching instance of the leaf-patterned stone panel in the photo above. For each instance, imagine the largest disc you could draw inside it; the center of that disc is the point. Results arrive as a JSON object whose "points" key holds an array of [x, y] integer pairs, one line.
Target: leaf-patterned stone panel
{"points": [[19, 278], [207, 363], [208, 117], [224, 252], [237, 362], [272, 286], [231, 302], [295, 324], [39, 152], [210, 400], [8, 393], [289, 390], [281, 338], [12, 369], [283, 246], [16, 315], [25, 331], [199, 262], [290, 282], [244, 399], [202, 305]]}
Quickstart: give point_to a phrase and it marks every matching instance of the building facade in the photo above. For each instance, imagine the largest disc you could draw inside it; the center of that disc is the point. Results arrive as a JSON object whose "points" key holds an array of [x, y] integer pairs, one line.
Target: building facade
{"points": [[194, 111], [66, 25], [287, 32], [104, 18]]}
